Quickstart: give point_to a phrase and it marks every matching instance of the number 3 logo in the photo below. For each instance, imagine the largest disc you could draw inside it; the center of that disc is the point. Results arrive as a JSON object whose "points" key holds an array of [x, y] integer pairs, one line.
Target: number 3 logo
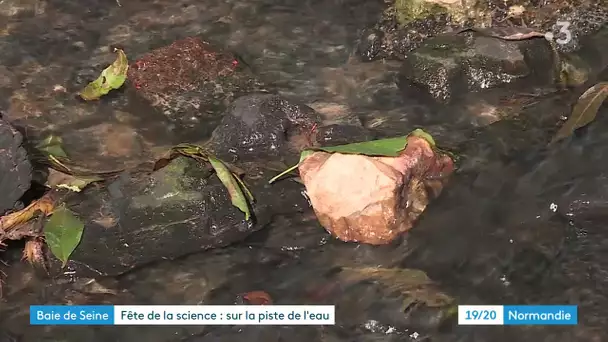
{"points": [[564, 30]]}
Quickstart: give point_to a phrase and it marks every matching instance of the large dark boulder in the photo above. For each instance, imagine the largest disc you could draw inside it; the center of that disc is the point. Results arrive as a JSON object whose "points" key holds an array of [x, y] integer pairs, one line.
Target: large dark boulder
{"points": [[178, 210], [15, 167], [182, 208]]}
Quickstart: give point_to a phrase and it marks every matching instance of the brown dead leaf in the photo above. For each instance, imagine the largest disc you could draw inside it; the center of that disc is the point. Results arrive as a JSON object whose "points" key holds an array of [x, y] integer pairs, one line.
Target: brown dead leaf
{"points": [[46, 205], [584, 112], [34, 252]]}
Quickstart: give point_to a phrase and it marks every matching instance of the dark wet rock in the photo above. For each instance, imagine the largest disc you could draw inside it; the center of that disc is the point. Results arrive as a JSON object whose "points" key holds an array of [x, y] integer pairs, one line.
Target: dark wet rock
{"points": [[400, 31], [406, 24], [303, 234], [336, 134], [370, 44], [190, 83], [583, 21], [389, 39], [262, 126], [445, 68], [15, 167], [180, 209], [339, 125]]}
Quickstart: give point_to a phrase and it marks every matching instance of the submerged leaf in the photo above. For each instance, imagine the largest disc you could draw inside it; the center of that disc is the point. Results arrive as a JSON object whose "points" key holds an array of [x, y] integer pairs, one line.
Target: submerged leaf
{"points": [[584, 111], [232, 185], [62, 233], [257, 298], [112, 77], [57, 179], [51, 146], [415, 285]]}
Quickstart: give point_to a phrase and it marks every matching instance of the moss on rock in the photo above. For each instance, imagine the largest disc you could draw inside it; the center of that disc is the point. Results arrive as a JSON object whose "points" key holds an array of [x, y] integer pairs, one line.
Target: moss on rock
{"points": [[460, 12]]}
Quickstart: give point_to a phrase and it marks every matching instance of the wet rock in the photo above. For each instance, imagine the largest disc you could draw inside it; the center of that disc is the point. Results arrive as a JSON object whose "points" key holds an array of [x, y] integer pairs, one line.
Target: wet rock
{"points": [[180, 209], [339, 125], [21, 7], [374, 199], [388, 39], [107, 147], [263, 126], [576, 24], [336, 134], [406, 24], [15, 167], [447, 67], [190, 83]]}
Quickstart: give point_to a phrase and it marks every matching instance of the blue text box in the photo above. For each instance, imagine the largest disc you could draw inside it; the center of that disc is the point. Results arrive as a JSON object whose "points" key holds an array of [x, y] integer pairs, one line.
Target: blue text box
{"points": [[540, 315], [71, 315]]}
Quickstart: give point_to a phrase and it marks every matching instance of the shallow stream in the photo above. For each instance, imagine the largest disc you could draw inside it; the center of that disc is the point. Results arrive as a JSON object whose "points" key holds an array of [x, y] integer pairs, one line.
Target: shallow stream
{"points": [[518, 224]]}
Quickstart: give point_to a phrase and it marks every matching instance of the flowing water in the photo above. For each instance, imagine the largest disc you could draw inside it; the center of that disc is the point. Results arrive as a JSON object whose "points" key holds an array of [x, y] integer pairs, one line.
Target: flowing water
{"points": [[518, 224]]}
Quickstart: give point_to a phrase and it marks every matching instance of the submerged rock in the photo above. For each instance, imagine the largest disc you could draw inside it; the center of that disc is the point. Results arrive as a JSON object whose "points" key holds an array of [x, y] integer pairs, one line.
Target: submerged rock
{"points": [[446, 67], [374, 199], [180, 209], [406, 24], [263, 126], [190, 83], [15, 167]]}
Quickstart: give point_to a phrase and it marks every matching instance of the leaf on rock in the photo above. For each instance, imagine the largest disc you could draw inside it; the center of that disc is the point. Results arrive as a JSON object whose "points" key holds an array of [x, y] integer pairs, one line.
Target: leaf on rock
{"points": [[390, 147], [384, 147], [112, 77], [584, 112], [415, 285], [232, 185], [62, 233], [44, 205]]}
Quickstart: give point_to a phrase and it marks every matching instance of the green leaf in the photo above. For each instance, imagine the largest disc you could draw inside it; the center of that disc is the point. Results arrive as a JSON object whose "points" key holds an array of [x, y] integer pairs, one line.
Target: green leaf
{"points": [[62, 233], [244, 187], [112, 77], [390, 147], [303, 156], [584, 112], [424, 135], [384, 147], [232, 185], [51, 146]]}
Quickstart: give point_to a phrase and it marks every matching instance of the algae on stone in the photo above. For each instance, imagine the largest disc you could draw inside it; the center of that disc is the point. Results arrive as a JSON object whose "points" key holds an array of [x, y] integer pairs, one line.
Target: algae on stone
{"points": [[407, 11], [171, 183], [410, 10]]}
